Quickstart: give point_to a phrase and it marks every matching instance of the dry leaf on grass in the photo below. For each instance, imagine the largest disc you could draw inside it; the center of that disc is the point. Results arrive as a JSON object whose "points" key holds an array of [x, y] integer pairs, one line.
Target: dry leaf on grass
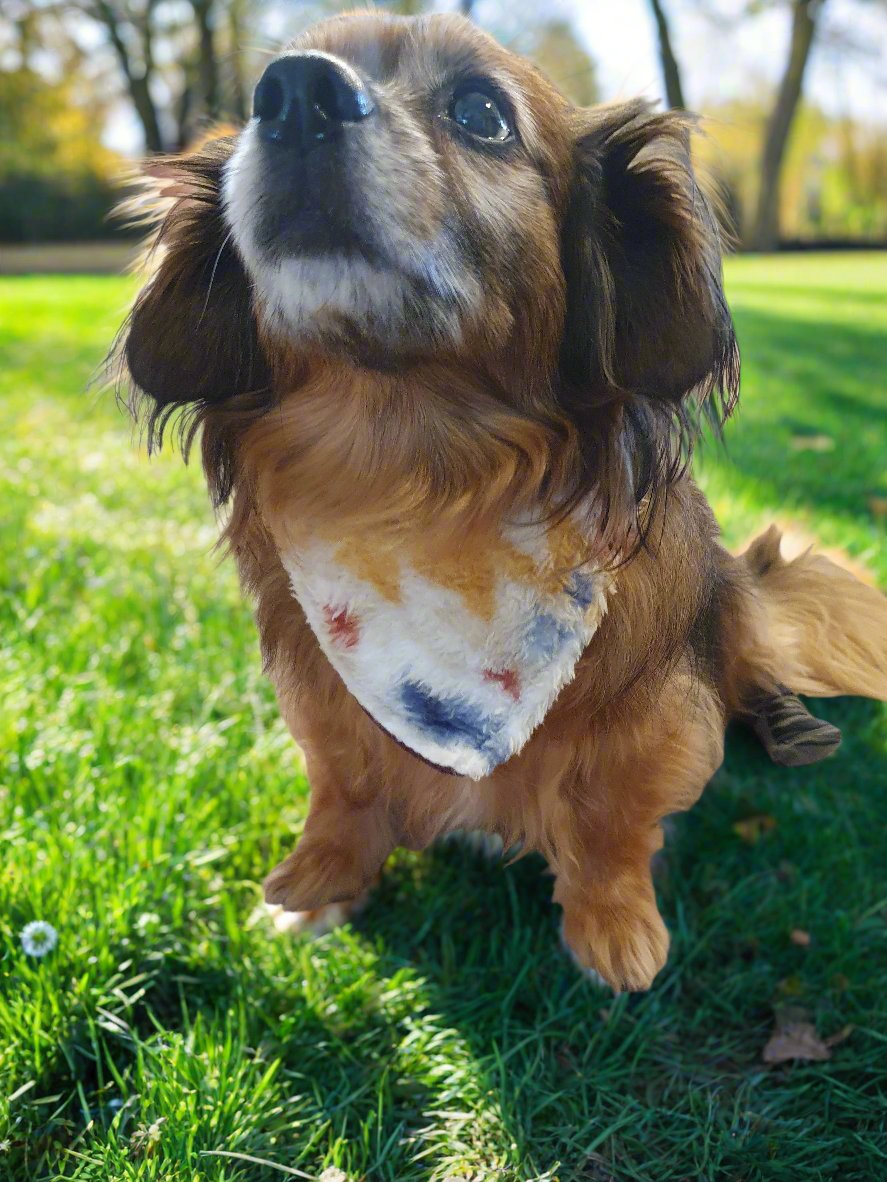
{"points": [[752, 829], [878, 506], [795, 1038], [800, 937]]}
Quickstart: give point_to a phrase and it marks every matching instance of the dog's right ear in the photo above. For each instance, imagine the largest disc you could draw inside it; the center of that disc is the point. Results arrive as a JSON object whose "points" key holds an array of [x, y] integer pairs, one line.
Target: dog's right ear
{"points": [[191, 338]]}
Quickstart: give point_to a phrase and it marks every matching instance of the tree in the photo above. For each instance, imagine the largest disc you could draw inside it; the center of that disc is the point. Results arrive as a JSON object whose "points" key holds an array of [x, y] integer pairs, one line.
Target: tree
{"points": [[674, 91], [765, 225], [132, 30], [180, 65], [57, 180]]}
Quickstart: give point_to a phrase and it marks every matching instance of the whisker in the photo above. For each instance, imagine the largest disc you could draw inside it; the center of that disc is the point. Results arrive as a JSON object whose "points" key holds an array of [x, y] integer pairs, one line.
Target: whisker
{"points": [[212, 277]]}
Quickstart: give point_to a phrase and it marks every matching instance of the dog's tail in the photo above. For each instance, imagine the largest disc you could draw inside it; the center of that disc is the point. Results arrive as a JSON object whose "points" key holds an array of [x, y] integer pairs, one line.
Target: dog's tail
{"points": [[818, 630]]}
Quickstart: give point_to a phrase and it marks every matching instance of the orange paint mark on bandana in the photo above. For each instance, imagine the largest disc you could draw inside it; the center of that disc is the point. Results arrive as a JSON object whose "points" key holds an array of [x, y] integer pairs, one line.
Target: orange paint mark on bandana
{"points": [[470, 573], [567, 547], [473, 573], [377, 565]]}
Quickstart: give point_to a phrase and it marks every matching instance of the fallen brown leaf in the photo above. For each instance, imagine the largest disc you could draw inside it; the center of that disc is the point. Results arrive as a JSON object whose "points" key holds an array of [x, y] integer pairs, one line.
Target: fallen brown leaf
{"points": [[800, 937], [795, 1040], [878, 506], [752, 829]]}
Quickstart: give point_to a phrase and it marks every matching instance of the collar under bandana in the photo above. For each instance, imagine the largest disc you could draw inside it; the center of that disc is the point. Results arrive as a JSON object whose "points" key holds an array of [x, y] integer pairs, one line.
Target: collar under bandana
{"points": [[458, 658]]}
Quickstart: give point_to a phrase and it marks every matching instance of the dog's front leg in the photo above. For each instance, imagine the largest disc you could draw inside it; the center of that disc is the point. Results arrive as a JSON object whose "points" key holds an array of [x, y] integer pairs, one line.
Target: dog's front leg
{"points": [[347, 837], [611, 923], [604, 882]]}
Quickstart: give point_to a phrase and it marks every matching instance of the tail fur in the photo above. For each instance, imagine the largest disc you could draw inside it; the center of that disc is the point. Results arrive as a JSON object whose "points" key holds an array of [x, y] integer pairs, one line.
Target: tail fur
{"points": [[820, 631]]}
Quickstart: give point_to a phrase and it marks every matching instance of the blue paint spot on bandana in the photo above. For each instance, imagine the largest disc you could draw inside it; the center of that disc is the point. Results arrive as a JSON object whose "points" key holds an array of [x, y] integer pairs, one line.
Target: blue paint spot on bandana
{"points": [[452, 720], [546, 636], [445, 719], [582, 589]]}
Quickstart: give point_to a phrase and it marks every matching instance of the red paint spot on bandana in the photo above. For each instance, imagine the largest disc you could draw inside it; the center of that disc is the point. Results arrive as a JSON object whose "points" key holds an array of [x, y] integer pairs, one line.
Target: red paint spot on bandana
{"points": [[507, 678], [343, 627]]}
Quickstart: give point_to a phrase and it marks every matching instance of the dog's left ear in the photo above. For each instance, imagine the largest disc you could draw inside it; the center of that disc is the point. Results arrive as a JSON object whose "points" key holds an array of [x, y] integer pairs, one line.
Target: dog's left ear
{"points": [[191, 339], [646, 313], [191, 342]]}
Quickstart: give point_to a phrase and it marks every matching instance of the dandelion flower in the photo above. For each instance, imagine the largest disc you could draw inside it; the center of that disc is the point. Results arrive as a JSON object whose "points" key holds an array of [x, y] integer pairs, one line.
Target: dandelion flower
{"points": [[38, 938]]}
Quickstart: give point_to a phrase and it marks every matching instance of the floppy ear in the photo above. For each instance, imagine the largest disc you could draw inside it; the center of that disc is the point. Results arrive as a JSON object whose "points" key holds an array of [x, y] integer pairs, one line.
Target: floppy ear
{"points": [[191, 337], [646, 311], [648, 338]]}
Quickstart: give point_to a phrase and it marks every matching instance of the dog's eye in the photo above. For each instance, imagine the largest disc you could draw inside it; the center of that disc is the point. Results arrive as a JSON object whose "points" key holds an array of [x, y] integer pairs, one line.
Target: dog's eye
{"points": [[478, 113]]}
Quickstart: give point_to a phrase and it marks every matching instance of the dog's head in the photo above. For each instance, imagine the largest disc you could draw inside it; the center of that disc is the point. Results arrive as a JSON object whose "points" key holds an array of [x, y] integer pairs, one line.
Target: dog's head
{"points": [[416, 209]]}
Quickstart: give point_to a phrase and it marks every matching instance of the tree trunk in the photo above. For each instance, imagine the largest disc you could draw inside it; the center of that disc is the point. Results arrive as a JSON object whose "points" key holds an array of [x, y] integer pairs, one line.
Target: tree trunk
{"points": [[183, 114], [239, 100], [147, 113], [27, 39], [674, 92], [138, 83], [209, 65], [765, 227]]}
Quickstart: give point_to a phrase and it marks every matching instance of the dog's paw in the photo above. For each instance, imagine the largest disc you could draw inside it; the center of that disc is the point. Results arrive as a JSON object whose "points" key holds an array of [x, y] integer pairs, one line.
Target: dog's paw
{"points": [[624, 947], [313, 923], [315, 875], [591, 975]]}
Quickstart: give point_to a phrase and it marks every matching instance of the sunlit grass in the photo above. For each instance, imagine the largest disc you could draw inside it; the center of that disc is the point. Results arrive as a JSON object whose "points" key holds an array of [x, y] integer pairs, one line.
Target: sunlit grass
{"points": [[147, 784]]}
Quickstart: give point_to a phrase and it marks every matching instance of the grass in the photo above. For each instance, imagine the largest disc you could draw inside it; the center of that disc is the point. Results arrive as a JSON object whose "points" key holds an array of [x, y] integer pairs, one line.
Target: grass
{"points": [[147, 784]]}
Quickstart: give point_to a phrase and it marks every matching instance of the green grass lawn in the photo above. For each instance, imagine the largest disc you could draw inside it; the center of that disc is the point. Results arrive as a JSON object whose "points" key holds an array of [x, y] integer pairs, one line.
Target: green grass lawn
{"points": [[147, 785]]}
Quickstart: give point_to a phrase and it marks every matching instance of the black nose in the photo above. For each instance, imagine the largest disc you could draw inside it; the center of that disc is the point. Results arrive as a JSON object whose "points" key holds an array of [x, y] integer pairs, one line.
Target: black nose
{"points": [[304, 99]]}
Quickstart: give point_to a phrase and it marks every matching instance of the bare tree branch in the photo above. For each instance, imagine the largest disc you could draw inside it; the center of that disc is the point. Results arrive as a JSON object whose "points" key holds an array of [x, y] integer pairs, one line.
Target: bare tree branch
{"points": [[674, 91]]}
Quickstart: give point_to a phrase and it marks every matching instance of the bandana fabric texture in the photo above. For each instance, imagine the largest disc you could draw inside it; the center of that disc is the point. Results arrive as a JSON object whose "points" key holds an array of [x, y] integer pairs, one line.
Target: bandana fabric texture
{"points": [[459, 658]]}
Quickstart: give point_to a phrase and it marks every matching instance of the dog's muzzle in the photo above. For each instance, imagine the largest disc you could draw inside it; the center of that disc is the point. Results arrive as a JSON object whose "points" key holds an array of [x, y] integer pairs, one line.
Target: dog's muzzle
{"points": [[304, 100]]}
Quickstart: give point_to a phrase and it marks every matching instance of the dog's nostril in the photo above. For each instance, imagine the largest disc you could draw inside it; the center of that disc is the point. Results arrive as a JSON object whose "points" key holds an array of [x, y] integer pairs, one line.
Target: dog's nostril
{"points": [[269, 99]]}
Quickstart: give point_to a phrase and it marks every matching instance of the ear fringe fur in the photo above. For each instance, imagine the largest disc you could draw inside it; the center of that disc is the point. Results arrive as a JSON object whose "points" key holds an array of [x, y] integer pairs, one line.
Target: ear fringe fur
{"points": [[187, 258], [655, 362]]}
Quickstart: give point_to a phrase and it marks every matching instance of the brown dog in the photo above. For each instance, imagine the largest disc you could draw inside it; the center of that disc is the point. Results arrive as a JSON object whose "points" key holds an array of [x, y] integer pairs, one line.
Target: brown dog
{"points": [[420, 295]]}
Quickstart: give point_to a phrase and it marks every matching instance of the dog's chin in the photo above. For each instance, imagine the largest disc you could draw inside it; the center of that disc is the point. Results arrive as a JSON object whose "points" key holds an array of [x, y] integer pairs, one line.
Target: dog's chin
{"points": [[365, 308], [342, 282]]}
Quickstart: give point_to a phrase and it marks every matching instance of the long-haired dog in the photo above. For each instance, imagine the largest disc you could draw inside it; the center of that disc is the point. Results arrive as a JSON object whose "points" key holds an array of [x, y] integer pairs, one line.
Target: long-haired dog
{"points": [[419, 303]]}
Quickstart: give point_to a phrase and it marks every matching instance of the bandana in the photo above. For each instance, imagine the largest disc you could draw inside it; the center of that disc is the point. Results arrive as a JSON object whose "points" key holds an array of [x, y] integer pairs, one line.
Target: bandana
{"points": [[459, 658]]}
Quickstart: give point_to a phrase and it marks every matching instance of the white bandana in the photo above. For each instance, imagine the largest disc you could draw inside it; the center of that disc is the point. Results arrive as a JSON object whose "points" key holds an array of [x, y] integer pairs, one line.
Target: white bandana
{"points": [[458, 658]]}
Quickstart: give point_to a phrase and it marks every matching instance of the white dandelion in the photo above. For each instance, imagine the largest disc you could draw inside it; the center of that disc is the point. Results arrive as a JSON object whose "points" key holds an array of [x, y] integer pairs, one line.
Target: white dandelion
{"points": [[38, 938]]}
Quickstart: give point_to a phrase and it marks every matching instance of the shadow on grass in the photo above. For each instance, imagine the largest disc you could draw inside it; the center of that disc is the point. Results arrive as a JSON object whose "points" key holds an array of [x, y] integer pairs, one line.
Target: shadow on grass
{"points": [[594, 1082]]}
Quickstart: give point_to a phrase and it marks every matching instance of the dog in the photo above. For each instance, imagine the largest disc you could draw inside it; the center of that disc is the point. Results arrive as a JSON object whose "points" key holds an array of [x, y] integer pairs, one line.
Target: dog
{"points": [[419, 302]]}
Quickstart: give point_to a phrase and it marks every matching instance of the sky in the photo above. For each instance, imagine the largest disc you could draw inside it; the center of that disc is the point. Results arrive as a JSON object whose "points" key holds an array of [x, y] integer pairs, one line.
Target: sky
{"points": [[719, 62]]}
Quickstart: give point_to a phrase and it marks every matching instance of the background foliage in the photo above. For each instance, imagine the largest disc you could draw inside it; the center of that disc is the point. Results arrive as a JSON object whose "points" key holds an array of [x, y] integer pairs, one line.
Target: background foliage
{"points": [[71, 71]]}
